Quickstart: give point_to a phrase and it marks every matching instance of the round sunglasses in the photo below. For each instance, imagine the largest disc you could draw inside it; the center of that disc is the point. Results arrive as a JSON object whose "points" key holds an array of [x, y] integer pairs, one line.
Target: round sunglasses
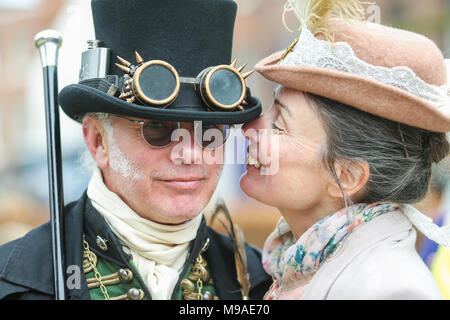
{"points": [[158, 134]]}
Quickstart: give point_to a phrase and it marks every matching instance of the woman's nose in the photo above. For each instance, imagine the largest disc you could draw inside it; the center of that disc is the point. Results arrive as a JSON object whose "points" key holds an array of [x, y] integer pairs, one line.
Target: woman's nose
{"points": [[249, 129]]}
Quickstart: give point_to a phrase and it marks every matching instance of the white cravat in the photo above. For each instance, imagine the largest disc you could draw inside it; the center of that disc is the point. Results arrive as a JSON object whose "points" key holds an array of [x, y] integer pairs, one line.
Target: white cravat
{"points": [[159, 251]]}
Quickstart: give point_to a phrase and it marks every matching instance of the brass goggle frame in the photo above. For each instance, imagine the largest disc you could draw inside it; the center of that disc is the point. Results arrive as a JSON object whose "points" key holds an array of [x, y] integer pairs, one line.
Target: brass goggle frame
{"points": [[133, 93]]}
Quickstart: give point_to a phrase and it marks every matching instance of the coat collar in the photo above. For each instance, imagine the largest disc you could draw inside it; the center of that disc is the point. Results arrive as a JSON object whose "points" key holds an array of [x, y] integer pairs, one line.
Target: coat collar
{"points": [[35, 248], [79, 218]]}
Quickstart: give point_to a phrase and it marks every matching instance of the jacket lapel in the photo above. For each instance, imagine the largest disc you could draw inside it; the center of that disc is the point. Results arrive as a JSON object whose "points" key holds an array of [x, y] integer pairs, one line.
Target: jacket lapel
{"points": [[36, 250]]}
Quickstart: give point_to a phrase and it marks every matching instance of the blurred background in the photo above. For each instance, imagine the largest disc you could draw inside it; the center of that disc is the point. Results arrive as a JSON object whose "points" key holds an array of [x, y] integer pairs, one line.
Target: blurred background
{"points": [[258, 33]]}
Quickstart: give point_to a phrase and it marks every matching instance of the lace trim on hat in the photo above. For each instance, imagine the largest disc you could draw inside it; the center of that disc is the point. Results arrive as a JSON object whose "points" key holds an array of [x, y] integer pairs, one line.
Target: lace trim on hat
{"points": [[339, 56]]}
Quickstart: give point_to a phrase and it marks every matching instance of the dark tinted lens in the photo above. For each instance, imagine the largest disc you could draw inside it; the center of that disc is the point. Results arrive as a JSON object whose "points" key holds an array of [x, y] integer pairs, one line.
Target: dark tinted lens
{"points": [[211, 136], [157, 82], [158, 133], [225, 86]]}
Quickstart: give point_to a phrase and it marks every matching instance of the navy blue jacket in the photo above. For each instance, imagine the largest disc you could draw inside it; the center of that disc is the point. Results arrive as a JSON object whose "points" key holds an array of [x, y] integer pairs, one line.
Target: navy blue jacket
{"points": [[26, 270]]}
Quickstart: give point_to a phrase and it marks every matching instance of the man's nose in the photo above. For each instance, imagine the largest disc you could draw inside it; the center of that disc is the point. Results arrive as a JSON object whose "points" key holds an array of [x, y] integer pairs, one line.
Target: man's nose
{"points": [[186, 150]]}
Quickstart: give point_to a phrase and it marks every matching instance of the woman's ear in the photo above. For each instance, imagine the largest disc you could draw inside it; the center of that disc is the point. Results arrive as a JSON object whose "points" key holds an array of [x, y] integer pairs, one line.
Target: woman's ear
{"points": [[352, 177], [95, 139]]}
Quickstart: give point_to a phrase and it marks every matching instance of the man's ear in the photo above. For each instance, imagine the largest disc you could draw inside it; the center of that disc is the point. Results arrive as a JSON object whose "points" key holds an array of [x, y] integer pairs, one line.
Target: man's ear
{"points": [[95, 138], [352, 177]]}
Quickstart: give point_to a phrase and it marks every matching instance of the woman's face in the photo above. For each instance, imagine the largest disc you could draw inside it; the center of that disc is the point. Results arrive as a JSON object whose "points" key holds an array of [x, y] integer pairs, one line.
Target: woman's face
{"points": [[299, 181]]}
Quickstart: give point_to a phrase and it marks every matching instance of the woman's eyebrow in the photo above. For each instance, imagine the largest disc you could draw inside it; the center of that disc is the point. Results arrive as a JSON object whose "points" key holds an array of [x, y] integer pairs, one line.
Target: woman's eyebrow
{"points": [[283, 106]]}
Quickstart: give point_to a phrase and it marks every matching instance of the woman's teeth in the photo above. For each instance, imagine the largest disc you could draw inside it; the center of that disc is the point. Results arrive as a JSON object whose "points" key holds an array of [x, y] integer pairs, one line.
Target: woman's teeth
{"points": [[253, 162]]}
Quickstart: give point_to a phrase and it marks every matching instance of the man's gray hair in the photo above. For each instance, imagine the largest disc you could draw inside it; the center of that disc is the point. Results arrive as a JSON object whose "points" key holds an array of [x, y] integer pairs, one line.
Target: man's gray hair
{"points": [[118, 161], [86, 160]]}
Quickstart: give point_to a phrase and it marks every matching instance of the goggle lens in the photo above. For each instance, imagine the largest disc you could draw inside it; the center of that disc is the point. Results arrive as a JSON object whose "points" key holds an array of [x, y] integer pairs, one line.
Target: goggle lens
{"points": [[225, 87], [157, 82]]}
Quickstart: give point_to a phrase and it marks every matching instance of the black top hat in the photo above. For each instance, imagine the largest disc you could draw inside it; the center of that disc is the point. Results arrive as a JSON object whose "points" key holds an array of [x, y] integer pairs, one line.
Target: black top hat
{"points": [[190, 35]]}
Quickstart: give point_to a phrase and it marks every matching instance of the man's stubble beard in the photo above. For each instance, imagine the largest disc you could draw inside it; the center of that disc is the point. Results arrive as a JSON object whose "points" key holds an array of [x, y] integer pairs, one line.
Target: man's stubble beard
{"points": [[118, 161]]}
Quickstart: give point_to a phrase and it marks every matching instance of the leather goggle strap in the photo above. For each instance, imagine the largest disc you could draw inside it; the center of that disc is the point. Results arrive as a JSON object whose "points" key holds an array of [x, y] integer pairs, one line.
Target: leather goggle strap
{"points": [[187, 98]]}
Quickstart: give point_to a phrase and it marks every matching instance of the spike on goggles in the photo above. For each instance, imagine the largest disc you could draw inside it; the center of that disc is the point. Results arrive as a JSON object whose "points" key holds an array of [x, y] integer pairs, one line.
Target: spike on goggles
{"points": [[156, 83]]}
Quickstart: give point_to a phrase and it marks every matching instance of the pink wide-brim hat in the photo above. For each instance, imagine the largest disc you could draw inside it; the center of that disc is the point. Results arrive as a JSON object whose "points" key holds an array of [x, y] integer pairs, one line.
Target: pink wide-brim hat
{"points": [[380, 47]]}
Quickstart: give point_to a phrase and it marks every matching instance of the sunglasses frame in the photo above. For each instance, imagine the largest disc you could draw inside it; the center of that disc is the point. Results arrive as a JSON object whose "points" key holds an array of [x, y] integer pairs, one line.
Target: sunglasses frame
{"points": [[142, 122]]}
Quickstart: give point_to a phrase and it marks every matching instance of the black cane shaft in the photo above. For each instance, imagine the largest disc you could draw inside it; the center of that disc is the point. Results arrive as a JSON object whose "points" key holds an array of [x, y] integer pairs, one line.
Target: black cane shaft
{"points": [[54, 163]]}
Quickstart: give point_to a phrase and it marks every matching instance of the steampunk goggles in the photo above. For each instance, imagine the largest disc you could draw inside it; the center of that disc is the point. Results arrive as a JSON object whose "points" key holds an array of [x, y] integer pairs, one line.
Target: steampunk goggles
{"points": [[156, 83]]}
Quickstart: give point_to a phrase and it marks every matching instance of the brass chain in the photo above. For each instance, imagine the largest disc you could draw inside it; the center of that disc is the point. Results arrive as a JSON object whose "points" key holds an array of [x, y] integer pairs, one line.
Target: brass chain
{"points": [[198, 275], [97, 274], [200, 287]]}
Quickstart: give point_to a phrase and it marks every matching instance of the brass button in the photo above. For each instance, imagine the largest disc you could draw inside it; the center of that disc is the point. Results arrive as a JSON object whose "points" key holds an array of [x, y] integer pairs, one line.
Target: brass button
{"points": [[135, 294], [207, 295], [125, 275], [101, 243]]}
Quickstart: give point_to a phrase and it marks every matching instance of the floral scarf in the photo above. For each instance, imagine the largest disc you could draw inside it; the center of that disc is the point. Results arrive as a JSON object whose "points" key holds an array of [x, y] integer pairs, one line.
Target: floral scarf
{"points": [[292, 263]]}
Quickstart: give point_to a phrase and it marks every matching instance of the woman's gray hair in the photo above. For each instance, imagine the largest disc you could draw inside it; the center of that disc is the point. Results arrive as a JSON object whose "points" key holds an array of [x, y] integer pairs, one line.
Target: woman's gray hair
{"points": [[399, 156]]}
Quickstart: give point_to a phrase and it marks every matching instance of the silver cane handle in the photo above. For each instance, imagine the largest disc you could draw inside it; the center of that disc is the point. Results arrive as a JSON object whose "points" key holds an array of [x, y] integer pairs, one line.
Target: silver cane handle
{"points": [[48, 42]]}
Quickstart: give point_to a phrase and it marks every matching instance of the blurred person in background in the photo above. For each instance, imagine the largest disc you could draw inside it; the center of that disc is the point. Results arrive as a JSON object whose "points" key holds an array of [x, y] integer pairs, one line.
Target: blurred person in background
{"points": [[358, 131], [138, 231], [437, 206]]}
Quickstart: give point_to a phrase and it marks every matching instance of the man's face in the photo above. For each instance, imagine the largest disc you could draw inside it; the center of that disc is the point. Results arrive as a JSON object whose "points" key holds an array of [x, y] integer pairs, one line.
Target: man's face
{"points": [[158, 183]]}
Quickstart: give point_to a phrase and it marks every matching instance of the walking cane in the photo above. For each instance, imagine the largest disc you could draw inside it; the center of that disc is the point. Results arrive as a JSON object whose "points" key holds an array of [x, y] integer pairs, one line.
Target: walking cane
{"points": [[48, 42]]}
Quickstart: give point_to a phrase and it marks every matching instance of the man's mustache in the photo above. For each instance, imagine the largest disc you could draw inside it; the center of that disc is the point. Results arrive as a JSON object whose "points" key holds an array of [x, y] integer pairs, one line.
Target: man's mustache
{"points": [[184, 171]]}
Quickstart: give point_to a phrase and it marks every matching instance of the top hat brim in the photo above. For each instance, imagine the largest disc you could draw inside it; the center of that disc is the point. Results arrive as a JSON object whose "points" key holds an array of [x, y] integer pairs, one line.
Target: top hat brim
{"points": [[362, 93], [77, 100]]}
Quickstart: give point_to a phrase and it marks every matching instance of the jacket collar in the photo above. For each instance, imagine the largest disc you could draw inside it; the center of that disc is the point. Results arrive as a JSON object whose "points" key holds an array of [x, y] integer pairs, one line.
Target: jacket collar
{"points": [[35, 248], [79, 218], [100, 237]]}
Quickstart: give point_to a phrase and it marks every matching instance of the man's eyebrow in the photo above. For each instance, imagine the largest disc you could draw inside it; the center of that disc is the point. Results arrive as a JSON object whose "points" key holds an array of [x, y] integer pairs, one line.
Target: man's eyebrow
{"points": [[283, 106]]}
